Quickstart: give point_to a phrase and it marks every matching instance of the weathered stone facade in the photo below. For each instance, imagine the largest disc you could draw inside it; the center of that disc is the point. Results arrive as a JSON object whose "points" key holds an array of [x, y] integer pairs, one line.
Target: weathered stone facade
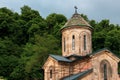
{"points": [[77, 61], [78, 32], [111, 61]]}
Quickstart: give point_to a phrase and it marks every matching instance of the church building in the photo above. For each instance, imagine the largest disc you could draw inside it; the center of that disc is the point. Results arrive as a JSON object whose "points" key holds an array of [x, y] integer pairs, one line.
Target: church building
{"points": [[77, 61]]}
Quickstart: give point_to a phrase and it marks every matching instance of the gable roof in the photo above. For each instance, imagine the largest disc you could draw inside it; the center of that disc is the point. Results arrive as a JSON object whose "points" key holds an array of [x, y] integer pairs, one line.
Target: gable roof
{"points": [[60, 58], [78, 75], [78, 57], [107, 50], [67, 59]]}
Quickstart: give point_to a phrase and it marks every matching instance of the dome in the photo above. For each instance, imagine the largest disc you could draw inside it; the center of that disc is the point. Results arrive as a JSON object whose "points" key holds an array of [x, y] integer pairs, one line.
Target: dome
{"points": [[76, 20]]}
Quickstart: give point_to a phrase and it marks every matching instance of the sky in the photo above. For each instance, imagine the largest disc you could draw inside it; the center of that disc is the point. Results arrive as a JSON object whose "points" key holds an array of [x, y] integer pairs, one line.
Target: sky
{"points": [[94, 9]]}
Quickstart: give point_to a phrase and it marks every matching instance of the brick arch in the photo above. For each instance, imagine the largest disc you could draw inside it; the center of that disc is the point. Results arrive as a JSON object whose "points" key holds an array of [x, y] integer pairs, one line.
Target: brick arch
{"points": [[67, 42], [76, 36], [88, 42], [84, 33], [73, 33], [50, 73], [105, 70]]}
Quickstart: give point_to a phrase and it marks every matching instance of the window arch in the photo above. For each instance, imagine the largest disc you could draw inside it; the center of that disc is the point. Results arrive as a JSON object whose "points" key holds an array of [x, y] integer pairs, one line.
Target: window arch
{"points": [[84, 42], [106, 70], [64, 45], [50, 73], [73, 42]]}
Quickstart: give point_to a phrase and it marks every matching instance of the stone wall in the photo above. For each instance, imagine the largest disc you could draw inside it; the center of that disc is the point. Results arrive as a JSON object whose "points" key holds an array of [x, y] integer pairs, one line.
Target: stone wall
{"points": [[82, 65], [97, 59], [79, 33]]}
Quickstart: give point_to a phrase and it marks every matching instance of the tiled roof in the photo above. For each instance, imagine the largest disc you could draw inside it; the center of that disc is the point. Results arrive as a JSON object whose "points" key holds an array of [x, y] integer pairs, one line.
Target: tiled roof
{"points": [[66, 59], [77, 57], [78, 75], [104, 49], [60, 58], [76, 20]]}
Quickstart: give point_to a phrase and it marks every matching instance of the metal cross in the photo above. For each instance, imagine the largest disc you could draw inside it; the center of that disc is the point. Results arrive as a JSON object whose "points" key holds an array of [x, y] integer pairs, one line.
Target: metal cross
{"points": [[75, 9]]}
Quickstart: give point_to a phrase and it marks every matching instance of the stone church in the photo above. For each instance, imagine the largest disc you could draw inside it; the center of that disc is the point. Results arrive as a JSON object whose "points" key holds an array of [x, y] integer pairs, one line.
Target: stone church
{"points": [[78, 62]]}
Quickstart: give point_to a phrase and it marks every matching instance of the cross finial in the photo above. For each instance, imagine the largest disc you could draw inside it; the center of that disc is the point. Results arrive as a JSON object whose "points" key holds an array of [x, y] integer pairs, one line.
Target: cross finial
{"points": [[75, 9]]}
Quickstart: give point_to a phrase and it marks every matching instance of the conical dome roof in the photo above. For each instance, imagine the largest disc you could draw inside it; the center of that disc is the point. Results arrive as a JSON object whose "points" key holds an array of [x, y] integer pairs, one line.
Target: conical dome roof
{"points": [[76, 20]]}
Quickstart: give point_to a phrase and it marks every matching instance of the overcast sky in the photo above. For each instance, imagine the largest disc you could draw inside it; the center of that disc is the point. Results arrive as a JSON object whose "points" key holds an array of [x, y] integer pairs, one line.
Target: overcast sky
{"points": [[94, 9]]}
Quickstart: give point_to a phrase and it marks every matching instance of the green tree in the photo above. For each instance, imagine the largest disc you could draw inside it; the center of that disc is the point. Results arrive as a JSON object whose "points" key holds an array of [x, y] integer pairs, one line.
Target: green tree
{"points": [[27, 13], [54, 19], [6, 22], [34, 55], [7, 64], [112, 41]]}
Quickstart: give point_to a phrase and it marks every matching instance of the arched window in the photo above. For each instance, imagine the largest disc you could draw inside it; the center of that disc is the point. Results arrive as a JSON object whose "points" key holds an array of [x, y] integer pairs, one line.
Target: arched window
{"points": [[106, 70], [51, 73], [64, 45], [73, 42], [84, 42]]}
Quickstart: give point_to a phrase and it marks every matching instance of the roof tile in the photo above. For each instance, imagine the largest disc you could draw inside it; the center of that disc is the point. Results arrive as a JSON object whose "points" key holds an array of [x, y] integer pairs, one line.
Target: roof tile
{"points": [[60, 58], [78, 75], [76, 20]]}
